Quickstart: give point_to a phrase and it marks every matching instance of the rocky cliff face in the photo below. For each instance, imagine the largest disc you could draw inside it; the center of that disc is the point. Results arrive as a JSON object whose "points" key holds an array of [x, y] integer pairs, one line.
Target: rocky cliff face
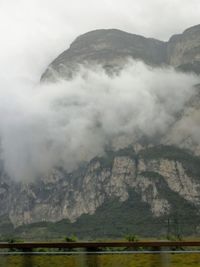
{"points": [[148, 173], [111, 48], [183, 50]]}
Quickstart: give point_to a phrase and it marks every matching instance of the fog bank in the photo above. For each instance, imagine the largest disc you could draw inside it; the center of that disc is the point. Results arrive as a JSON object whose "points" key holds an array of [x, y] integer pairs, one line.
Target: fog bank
{"points": [[68, 122]]}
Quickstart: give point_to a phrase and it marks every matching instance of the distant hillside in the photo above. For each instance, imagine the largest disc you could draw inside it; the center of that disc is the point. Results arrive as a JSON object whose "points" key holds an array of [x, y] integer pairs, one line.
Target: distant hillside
{"points": [[136, 193]]}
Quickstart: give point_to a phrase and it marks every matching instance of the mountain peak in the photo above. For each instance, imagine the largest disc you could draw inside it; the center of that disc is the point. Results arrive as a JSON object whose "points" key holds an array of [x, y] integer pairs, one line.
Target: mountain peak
{"points": [[112, 47], [108, 47], [193, 29]]}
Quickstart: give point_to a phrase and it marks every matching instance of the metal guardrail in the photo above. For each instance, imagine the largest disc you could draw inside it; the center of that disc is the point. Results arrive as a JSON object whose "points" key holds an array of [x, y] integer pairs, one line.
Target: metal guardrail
{"points": [[96, 245]]}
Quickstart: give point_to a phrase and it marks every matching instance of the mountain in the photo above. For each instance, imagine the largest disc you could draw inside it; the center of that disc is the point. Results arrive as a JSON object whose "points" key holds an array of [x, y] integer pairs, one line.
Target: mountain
{"points": [[137, 192], [145, 188], [183, 50], [111, 48]]}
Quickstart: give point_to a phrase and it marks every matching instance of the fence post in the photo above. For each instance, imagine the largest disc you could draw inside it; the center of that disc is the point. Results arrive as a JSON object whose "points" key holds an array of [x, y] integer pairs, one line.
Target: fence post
{"points": [[27, 260], [92, 259], [163, 259]]}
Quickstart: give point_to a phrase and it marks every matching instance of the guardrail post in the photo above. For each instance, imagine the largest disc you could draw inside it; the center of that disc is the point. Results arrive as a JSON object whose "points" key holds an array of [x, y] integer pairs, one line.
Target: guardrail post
{"points": [[81, 259], [87, 259], [91, 259], [163, 258], [27, 258]]}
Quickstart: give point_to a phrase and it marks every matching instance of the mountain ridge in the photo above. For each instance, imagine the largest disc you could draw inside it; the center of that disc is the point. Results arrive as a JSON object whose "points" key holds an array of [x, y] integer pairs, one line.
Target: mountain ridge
{"points": [[154, 181], [121, 45]]}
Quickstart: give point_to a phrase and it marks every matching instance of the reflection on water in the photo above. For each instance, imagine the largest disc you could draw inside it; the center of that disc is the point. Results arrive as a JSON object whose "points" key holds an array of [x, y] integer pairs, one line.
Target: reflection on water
{"points": [[102, 260]]}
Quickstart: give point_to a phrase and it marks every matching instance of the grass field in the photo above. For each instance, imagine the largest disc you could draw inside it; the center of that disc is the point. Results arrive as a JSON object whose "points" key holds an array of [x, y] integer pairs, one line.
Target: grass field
{"points": [[134, 260]]}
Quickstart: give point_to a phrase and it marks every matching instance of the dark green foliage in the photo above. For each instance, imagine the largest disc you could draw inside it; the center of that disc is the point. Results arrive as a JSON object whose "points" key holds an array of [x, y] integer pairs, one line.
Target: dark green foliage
{"points": [[72, 238], [115, 219], [132, 238], [128, 151], [161, 151], [150, 174], [107, 161]]}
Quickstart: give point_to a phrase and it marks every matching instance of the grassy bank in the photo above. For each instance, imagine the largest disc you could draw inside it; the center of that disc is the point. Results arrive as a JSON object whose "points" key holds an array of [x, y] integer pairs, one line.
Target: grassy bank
{"points": [[138, 260]]}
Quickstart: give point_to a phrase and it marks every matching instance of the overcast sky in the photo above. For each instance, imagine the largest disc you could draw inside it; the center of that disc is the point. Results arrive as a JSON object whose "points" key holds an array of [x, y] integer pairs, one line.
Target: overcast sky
{"points": [[33, 32]]}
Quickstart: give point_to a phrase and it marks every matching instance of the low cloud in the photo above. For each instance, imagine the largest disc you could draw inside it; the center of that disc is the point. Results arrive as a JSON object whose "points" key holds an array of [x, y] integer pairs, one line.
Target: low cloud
{"points": [[68, 122]]}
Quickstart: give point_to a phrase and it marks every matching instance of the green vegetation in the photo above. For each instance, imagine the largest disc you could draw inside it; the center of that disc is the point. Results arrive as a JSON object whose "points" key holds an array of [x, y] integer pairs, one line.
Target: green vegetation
{"points": [[132, 238], [134, 260], [150, 174], [116, 219], [122, 218], [71, 238]]}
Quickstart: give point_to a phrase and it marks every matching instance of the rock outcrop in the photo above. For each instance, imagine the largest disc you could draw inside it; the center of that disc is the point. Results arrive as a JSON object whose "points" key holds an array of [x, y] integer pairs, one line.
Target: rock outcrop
{"points": [[112, 48], [109, 48], [61, 195], [183, 50]]}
